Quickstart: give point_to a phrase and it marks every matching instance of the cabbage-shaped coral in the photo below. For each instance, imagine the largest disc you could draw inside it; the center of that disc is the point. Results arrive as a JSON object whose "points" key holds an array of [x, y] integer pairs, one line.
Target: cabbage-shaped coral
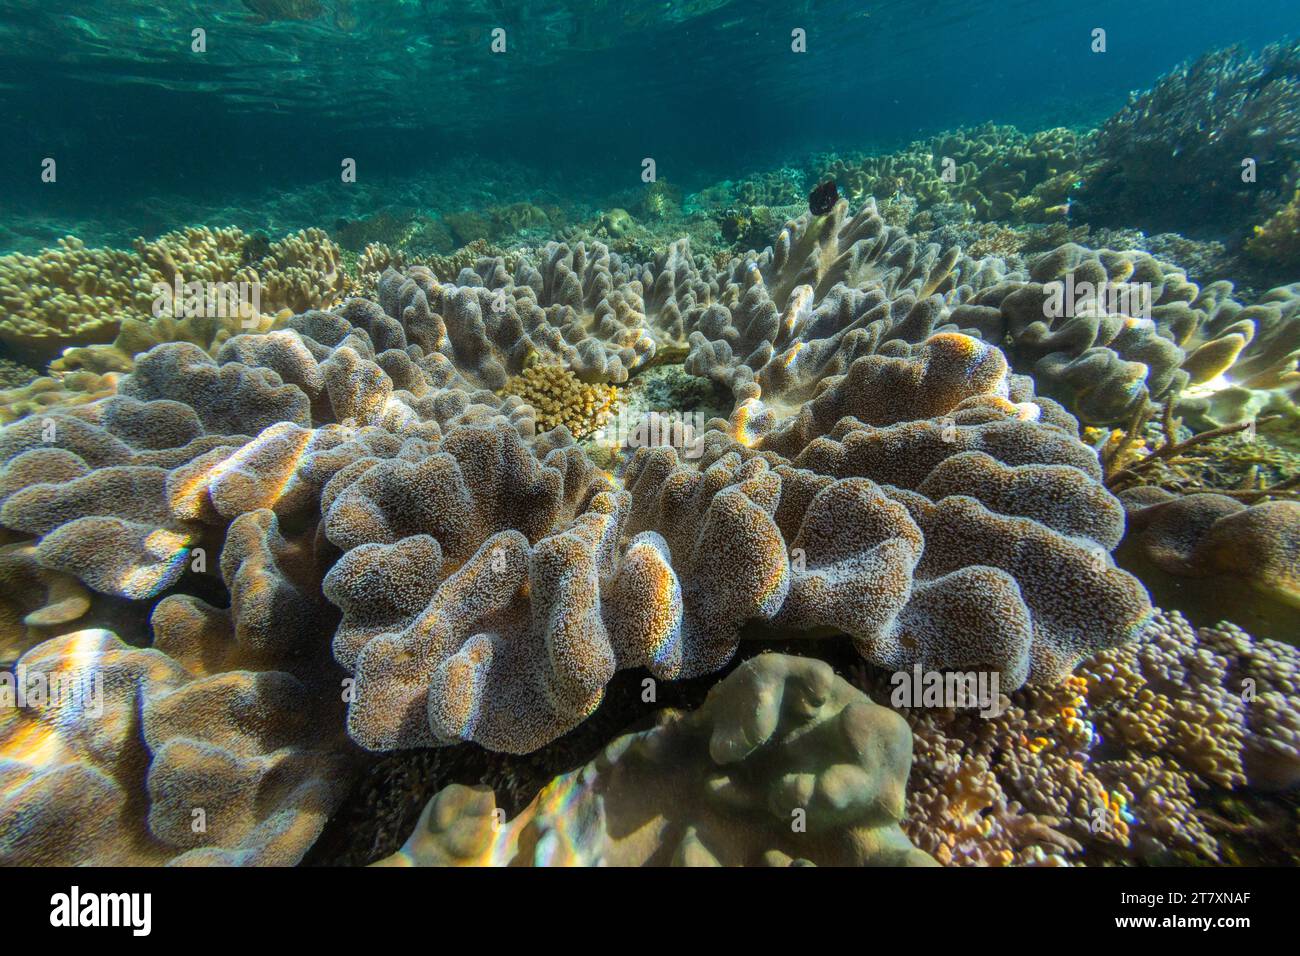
{"points": [[785, 764], [876, 477]]}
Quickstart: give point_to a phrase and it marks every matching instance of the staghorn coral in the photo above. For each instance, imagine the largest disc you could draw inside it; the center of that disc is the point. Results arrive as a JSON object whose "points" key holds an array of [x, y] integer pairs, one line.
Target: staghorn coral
{"points": [[784, 764]]}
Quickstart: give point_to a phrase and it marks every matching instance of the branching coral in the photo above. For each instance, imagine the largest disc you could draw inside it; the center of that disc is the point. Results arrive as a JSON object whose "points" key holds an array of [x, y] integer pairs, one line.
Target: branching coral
{"points": [[559, 398], [65, 296], [74, 296], [1117, 761], [1226, 108]]}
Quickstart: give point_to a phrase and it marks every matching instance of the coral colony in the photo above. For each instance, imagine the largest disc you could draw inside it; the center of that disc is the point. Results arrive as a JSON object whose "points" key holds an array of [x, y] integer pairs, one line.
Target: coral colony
{"points": [[957, 518]]}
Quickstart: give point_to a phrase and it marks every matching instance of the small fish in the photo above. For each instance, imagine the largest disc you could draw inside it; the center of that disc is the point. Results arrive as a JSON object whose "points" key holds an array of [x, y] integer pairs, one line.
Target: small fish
{"points": [[823, 199]]}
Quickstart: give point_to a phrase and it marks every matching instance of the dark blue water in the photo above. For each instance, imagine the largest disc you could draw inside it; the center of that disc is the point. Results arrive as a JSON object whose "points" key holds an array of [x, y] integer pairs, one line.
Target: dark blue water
{"points": [[584, 91]]}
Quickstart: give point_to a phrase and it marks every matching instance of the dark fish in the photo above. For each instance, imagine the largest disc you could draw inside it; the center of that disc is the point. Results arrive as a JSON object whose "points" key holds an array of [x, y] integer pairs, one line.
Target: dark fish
{"points": [[823, 199]]}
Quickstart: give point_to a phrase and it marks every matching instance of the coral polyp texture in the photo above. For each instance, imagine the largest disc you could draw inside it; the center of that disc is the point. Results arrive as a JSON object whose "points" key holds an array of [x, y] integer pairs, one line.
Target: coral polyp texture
{"points": [[785, 764], [1126, 760], [492, 579], [482, 507], [189, 752]]}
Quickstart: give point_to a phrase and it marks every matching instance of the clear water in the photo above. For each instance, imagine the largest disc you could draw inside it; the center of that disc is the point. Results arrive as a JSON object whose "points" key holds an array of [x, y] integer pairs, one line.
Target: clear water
{"points": [[500, 125], [584, 91]]}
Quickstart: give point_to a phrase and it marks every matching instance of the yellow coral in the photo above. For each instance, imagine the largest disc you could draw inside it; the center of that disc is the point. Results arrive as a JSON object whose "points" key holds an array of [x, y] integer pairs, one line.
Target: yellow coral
{"points": [[1277, 242], [74, 296], [559, 398], [67, 294]]}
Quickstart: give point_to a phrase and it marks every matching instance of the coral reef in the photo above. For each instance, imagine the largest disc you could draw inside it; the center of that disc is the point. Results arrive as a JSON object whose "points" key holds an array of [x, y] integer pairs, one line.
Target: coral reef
{"points": [[920, 499], [996, 172], [1109, 332], [66, 296], [74, 296], [785, 764], [1226, 108], [1276, 243], [1120, 762], [880, 457]]}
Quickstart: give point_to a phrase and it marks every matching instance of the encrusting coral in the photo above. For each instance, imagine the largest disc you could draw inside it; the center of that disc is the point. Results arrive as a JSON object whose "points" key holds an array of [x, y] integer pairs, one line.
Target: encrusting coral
{"points": [[785, 764]]}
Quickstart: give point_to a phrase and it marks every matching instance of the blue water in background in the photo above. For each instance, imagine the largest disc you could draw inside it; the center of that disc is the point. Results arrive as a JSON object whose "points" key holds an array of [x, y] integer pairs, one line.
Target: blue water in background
{"points": [[586, 90]]}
